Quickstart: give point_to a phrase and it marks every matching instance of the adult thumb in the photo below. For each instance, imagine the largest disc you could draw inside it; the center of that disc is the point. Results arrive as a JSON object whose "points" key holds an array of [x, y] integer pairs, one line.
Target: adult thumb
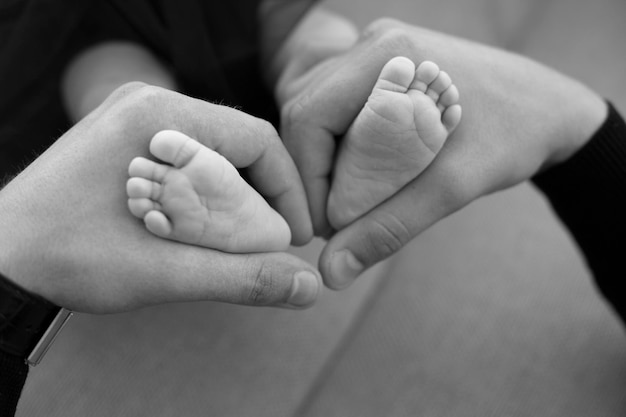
{"points": [[359, 246], [389, 227], [277, 279], [261, 279]]}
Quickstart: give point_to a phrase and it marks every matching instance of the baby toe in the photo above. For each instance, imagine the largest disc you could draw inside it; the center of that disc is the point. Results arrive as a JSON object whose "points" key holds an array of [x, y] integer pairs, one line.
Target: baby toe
{"points": [[142, 188], [157, 223], [145, 168], [438, 86], [396, 75], [451, 117], [139, 207], [426, 72], [174, 147], [449, 97]]}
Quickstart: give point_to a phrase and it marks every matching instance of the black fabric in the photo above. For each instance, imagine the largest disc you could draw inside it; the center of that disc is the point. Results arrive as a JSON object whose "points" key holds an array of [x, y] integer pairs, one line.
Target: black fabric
{"points": [[24, 318], [13, 373], [35, 43], [211, 47], [588, 192]]}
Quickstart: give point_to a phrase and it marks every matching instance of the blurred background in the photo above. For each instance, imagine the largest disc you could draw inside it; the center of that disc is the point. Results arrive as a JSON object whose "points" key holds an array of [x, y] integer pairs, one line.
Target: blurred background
{"points": [[490, 312]]}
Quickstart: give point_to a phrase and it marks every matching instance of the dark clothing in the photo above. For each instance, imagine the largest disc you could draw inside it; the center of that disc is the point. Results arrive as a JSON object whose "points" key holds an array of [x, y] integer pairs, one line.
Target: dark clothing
{"points": [[210, 46], [13, 372], [588, 192]]}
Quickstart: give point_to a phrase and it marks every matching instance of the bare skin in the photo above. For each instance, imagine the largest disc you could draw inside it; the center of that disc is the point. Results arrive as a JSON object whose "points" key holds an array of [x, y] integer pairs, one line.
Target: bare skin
{"points": [[405, 122], [96, 257], [196, 196], [519, 118]]}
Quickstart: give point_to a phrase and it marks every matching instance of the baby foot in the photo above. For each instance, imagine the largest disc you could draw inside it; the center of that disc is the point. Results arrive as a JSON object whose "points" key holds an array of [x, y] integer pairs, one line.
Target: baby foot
{"points": [[398, 133], [198, 197]]}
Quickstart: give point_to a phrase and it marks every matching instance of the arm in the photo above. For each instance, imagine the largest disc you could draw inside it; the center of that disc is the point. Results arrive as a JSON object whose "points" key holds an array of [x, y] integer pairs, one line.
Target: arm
{"points": [[98, 71]]}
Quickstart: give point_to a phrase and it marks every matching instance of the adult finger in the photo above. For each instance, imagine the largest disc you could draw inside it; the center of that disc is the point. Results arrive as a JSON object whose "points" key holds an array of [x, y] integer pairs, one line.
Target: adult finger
{"points": [[96, 257], [198, 274], [313, 153], [133, 269], [329, 99]]}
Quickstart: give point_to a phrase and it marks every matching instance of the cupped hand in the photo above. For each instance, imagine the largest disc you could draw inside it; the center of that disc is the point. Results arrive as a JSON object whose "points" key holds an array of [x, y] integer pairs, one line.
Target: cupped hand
{"points": [[66, 232], [519, 117]]}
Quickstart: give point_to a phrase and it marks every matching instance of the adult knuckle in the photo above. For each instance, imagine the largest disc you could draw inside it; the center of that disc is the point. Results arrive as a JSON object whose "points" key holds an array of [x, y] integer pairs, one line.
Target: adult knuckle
{"points": [[295, 117], [148, 95], [292, 112], [397, 39], [263, 287], [142, 104], [387, 234], [126, 89], [379, 26], [131, 104], [386, 31], [387, 38], [266, 131]]}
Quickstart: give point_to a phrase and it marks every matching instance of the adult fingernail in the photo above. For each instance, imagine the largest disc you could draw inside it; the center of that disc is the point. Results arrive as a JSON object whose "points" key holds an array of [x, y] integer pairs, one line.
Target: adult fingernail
{"points": [[304, 289], [344, 268]]}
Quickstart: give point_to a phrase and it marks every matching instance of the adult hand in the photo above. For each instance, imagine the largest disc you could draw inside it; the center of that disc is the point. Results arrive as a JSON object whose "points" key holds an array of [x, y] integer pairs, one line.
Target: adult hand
{"points": [[66, 232], [518, 117]]}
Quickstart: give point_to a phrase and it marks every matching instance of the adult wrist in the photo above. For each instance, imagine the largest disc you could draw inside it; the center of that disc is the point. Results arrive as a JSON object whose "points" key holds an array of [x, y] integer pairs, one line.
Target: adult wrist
{"points": [[582, 119], [588, 193]]}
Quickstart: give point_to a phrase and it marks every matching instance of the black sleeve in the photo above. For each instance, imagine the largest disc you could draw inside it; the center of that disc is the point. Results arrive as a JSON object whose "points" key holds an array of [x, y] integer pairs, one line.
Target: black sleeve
{"points": [[588, 193], [13, 372], [24, 318]]}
